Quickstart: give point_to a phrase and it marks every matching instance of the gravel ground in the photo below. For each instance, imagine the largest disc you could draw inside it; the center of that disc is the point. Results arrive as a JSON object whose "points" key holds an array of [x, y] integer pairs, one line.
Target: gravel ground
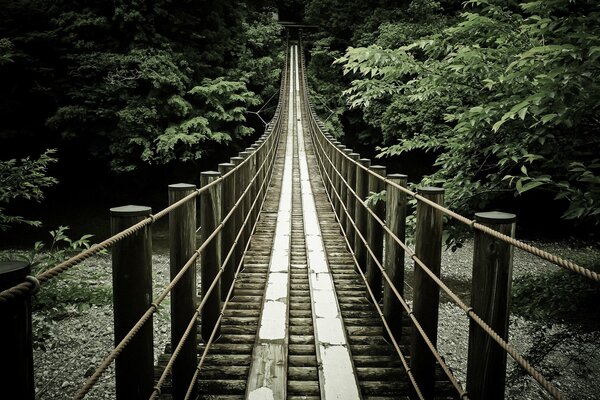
{"points": [[76, 340]]}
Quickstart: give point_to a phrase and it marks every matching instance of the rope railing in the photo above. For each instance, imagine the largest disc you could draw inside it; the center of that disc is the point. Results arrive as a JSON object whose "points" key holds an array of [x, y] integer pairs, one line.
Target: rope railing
{"points": [[548, 386], [224, 263], [33, 283], [154, 306], [405, 305]]}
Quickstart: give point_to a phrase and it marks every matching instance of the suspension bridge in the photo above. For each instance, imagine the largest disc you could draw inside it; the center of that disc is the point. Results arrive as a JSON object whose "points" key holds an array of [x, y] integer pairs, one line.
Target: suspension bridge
{"points": [[301, 292]]}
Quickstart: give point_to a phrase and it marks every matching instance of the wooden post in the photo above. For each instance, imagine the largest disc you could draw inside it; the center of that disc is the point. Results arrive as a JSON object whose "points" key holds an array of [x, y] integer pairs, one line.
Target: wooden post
{"points": [[238, 178], [16, 367], [246, 176], [362, 190], [350, 199], [210, 210], [345, 165], [338, 182], [428, 248], [490, 299], [132, 295], [375, 232], [395, 219], [228, 233], [182, 244]]}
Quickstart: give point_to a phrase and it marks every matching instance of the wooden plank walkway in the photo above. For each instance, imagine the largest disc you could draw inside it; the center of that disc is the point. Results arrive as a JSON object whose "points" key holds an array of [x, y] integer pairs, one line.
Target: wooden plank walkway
{"points": [[229, 367]]}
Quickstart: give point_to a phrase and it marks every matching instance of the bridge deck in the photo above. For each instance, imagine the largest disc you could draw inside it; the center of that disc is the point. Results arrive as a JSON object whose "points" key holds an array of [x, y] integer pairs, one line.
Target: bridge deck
{"points": [[376, 367]]}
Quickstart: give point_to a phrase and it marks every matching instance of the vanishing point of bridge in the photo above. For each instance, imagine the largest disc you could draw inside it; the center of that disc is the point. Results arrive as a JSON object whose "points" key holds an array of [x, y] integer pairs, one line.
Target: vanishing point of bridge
{"points": [[301, 281]]}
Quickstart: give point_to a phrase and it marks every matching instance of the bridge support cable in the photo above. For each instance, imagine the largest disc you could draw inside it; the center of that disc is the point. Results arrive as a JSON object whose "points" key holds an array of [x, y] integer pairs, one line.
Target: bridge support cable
{"points": [[337, 374]]}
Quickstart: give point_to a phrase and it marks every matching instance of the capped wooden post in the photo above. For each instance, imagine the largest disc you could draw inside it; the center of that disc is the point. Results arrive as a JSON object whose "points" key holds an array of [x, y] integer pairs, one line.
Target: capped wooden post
{"points": [[238, 215], [395, 219], [182, 245], [490, 299], [350, 199], [132, 296], [375, 232], [228, 233], [362, 191], [426, 293], [210, 263], [16, 347]]}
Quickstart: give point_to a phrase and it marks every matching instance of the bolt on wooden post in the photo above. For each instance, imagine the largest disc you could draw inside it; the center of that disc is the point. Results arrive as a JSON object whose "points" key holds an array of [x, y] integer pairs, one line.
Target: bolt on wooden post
{"points": [[182, 245], [426, 297], [395, 218], [132, 296], [490, 299], [210, 210], [362, 191], [16, 346], [375, 232], [228, 233]]}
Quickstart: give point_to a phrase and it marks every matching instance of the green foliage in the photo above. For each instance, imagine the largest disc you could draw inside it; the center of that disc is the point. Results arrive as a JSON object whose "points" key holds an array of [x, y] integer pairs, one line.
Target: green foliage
{"points": [[117, 79], [506, 97], [24, 179]]}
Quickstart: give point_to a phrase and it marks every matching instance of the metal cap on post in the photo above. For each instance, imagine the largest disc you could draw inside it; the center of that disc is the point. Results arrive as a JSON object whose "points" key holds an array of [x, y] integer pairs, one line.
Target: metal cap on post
{"points": [[16, 367], [395, 219], [490, 299], [426, 293], [182, 245], [210, 263], [132, 296]]}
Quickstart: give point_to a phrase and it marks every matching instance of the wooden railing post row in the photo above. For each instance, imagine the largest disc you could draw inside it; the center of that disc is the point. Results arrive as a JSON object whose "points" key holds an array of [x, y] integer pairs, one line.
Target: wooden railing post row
{"points": [[395, 219], [132, 296], [375, 232], [426, 293], [182, 245], [362, 191], [350, 199], [210, 217], [238, 215], [490, 299], [228, 233], [16, 346]]}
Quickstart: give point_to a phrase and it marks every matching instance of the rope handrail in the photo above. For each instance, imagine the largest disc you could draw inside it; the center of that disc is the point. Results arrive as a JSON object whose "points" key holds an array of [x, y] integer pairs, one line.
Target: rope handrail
{"points": [[154, 306], [225, 303], [548, 386], [209, 290], [28, 286], [405, 305]]}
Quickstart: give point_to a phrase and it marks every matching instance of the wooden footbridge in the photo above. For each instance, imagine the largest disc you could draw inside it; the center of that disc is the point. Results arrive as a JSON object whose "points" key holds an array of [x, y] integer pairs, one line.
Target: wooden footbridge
{"points": [[301, 281]]}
